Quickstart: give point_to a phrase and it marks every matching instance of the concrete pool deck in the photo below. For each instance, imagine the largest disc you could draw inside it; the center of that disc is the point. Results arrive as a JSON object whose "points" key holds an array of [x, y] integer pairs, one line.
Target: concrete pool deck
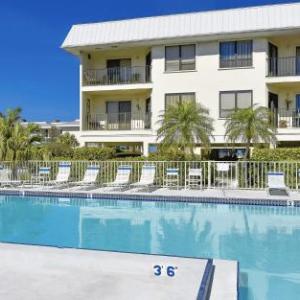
{"points": [[243, 196], [42, 273]]}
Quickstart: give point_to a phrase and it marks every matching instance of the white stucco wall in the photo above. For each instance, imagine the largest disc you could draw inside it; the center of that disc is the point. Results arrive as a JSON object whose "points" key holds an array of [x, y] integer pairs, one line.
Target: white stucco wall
{"points": [[206, 82]]}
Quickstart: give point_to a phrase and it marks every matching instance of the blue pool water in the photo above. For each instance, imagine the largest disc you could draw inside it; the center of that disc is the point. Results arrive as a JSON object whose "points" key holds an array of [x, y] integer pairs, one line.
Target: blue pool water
{"points": [[265, 240]]}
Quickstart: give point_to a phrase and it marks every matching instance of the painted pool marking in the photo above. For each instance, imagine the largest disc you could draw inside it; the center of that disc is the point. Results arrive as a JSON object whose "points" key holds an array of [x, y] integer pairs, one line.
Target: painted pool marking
{"points": [[165, 270]]}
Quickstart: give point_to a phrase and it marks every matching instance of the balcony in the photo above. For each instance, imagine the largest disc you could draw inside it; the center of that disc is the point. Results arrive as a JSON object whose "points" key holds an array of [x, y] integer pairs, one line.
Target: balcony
{"points": [[287, 119], [118, 75], [284, 66], [118, 121]]}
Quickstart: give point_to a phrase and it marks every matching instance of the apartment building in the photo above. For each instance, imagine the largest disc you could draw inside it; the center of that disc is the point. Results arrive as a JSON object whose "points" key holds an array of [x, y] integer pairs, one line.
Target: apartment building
{"points": [[131, 70], [62, 127]]}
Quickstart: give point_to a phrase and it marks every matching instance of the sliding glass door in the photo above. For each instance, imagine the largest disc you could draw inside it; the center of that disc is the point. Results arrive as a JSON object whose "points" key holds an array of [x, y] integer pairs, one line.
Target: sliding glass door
{"points": [[118, 115], [273, 60], [119, 70], [125, 115]]}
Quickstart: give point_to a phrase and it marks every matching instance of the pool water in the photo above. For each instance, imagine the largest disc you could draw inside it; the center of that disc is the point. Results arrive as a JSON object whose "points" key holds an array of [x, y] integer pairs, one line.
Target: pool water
{"points": [[264, 239]]}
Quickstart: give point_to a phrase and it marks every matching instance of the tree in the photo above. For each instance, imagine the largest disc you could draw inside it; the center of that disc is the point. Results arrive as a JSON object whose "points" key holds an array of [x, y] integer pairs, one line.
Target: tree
{"points": [[185, 124], [68, 140], [250, 126], [53, 133], [7, 123], [21, 139]]}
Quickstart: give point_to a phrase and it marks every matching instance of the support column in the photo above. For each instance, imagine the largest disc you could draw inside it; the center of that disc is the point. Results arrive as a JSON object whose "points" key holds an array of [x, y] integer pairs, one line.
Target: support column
{"points": [[145, 148]]}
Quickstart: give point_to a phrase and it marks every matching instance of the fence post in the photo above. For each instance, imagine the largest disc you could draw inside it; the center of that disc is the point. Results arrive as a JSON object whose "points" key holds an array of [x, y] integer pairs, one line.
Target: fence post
{"points": [[185, 175], [209, 174], [237, 174]]}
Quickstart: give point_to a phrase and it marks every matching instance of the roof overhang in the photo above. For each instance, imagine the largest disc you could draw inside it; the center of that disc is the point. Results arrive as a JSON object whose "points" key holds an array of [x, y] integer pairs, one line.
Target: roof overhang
{"points": [[201, 26]]}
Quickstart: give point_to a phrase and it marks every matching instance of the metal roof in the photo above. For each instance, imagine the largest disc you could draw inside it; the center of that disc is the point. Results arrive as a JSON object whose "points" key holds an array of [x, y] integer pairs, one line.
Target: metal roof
{"points": [[220, 22]]}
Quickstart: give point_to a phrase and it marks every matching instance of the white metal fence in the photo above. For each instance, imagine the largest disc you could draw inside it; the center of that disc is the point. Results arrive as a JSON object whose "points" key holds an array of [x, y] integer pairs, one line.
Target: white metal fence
{"points": [[213, 174]]}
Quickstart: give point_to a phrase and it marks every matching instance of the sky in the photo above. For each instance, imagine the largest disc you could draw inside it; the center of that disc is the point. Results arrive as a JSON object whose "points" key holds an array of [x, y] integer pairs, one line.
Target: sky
{"points": [[40, 77]]}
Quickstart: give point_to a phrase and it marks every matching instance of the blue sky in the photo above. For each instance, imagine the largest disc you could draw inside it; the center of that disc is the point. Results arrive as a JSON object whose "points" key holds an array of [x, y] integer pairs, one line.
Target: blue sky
{"points": [[37, 75]]}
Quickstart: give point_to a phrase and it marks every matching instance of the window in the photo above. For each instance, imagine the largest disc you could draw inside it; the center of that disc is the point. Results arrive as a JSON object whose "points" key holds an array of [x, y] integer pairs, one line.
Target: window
{"points": [[152, 148], [231, 101], [235, 54], [173, 99], [180, 58]]}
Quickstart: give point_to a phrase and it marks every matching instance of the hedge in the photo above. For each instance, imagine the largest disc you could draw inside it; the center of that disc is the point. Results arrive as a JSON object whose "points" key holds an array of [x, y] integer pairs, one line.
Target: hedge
{"points": [[93, 153], [57, 151], [278, 154]]}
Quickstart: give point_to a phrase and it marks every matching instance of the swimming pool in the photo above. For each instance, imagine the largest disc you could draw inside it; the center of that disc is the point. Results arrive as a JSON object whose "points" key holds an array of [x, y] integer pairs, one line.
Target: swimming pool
{"points": [[264, 239]]}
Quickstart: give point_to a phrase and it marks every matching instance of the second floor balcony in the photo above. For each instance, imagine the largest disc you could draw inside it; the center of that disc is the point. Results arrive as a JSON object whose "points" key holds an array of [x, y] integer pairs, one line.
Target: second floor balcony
{"points": [[287, 119], [284, 66], [118, 121], [117, 75]]}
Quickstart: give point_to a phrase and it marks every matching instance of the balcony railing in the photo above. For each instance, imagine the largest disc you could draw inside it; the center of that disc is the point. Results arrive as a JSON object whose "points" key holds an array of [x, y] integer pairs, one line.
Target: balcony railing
{"points": [[118, 121], [284, 66], [287, 119], [118, 75]]}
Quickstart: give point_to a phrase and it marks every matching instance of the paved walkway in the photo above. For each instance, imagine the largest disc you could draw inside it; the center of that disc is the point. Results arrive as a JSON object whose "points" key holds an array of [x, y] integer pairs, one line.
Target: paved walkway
{"points": [[45, 273]]}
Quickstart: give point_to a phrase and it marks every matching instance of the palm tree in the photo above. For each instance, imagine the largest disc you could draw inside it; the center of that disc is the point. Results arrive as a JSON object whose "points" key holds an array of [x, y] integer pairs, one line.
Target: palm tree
{"points": [[68, 140], [185, 124], [250, 126], [21, 139], [7, 123]]}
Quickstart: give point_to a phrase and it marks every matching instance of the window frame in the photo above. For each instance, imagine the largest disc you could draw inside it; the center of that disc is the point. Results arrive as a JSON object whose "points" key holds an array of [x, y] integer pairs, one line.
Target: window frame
{"points": [[180, 94], [180, 58], [235, 54], [235, 92]]}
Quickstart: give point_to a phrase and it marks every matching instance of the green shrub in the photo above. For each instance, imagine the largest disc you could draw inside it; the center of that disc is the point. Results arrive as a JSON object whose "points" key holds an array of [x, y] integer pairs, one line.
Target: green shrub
{"points": [[36, 153], [54, 150], [278, 154], [172, 154], [51, 151], [127, 154], [93, 153]]}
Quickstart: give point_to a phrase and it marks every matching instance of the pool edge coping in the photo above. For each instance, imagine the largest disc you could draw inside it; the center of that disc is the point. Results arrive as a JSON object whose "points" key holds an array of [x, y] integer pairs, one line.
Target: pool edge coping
{"points": [[160, 198]]}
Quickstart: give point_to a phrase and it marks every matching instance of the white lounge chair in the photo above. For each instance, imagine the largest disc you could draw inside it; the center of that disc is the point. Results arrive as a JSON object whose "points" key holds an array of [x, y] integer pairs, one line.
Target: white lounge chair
{"points": [[89, 178], [172, 177], [63, 174], [276, 184], [5, 178], [39, 179], [224, 176], [194, 178], [122, 177], [147, 177]]}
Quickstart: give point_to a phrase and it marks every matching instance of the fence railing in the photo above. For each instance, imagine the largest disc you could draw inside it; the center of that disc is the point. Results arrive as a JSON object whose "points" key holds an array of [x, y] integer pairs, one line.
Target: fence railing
{"points": [[118, 121], [214, 174], [284, 66], [117, 75], [288, 119]]}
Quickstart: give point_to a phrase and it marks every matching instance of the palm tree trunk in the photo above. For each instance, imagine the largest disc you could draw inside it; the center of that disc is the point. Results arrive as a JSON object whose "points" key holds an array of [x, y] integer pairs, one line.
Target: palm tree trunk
{"points": [[247, 157], [248, 145]]}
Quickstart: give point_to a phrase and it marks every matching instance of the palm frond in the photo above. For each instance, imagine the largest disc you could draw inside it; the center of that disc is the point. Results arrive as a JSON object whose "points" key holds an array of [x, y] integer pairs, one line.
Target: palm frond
{"points": [[185, 125]]}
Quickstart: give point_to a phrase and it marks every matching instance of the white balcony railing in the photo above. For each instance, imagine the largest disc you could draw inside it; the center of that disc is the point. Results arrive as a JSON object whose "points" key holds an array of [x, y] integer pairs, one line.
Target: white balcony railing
{"points": [[287, 119], [284, 66], [118, 75], [118, 121]]}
